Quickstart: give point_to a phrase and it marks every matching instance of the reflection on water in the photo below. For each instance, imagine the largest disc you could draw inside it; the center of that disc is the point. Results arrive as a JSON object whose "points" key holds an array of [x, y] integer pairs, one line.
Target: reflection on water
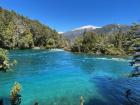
{"points": [[60, 78]]}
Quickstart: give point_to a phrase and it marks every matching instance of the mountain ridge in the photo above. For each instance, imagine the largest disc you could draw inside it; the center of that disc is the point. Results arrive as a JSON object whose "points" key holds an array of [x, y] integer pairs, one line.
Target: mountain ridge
{"points": [[107, 29], [86, 27]]}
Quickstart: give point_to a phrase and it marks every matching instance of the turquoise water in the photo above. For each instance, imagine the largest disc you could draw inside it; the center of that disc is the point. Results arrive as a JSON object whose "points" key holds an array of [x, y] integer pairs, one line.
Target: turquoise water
{"points": [[60, 78]]}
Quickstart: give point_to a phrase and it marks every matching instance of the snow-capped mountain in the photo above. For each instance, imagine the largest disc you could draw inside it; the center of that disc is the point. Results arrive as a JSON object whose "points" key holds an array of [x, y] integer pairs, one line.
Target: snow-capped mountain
{"points": [[60, 32], [79, 31], [88, 27], [106, 30]]}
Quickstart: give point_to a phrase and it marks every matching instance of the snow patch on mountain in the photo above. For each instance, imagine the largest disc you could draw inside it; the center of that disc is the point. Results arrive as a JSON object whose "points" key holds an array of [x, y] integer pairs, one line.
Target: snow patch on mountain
{"points": [[91, 27], [60, 32]]}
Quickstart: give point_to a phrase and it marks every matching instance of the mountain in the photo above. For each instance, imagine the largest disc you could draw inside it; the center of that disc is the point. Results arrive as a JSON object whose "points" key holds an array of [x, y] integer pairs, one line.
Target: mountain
{"points": [[79, 31], [111, 28], [107, 29]]}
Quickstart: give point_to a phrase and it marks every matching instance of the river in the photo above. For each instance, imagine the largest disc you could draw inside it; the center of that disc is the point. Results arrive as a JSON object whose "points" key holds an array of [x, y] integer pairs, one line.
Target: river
{"points": [[58, 77]]}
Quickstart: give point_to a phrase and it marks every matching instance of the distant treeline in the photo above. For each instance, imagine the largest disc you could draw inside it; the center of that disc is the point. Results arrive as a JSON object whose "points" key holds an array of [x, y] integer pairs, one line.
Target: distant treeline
{"points": [[17, 31], [117, 43]]}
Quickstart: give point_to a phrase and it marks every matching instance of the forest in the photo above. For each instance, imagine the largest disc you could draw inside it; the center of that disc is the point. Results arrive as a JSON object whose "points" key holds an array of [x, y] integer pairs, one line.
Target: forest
{"points": [[19, 32], [116, 43]]}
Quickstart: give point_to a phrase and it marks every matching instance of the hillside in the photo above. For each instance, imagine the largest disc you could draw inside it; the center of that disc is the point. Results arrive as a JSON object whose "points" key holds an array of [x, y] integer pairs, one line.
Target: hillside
{"points": [[105, 30], [71, 35], [17, 31]]}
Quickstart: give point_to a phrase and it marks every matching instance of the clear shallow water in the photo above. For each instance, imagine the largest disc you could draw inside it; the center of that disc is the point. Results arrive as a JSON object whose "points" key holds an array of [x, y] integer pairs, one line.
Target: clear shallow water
{"points": [[60, 78]]}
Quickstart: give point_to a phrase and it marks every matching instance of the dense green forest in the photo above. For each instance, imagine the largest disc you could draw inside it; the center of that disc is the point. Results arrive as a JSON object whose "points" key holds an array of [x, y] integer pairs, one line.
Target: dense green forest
{"points": [[17, 31], [117, 43]]}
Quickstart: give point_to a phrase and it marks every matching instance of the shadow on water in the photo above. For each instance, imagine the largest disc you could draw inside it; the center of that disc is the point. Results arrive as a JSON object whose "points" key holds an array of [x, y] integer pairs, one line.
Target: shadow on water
{"points": [[100, 102], [95, 101], [115, 92], [4, 101]]}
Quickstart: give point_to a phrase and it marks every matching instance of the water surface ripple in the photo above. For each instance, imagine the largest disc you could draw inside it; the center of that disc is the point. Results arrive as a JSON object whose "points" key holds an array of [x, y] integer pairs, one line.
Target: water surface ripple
{"points": [[60, 78]]}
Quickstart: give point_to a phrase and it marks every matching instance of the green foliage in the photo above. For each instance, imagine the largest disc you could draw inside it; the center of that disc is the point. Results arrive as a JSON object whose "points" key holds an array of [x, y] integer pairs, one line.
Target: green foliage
{"points": [[4, 61], [82, 100], [14, 62], [8, 38], [25, 40], [111, 50], [15, 94], [20, 32], [50, 43], [15, 89], [117, 43], [3, 55]]}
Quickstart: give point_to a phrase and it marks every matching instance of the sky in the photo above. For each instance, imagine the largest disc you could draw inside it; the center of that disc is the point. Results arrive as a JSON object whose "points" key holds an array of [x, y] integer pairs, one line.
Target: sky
{"points": [[65, 15]]}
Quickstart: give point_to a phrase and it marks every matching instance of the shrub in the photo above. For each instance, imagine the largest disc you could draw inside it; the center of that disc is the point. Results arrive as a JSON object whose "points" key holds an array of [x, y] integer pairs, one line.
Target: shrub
{"points": [[4, 61], [14, 95]]}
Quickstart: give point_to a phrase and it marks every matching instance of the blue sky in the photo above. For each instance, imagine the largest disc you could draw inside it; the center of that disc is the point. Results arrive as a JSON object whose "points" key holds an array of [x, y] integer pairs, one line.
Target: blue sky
{"points": [[64, 15]]}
